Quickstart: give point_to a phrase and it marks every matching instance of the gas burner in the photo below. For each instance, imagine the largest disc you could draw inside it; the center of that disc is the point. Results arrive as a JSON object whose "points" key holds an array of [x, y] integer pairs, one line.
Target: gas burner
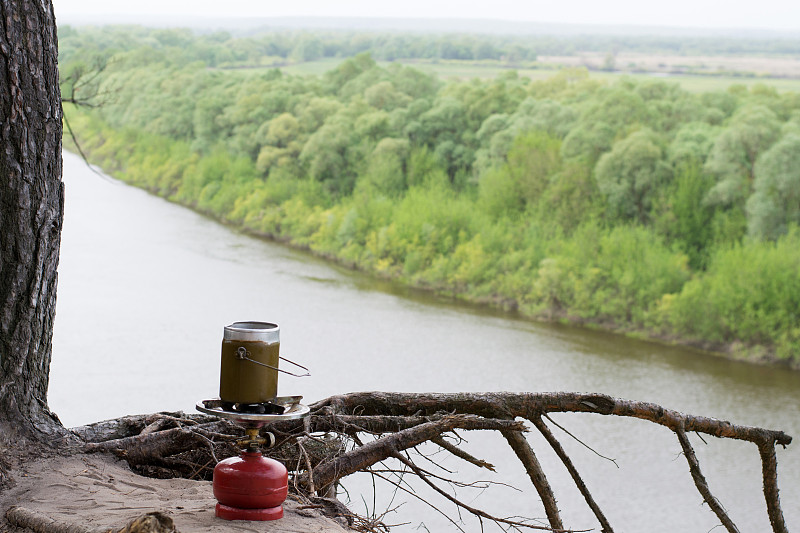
{"points": [[251, 486], [290, 407]]}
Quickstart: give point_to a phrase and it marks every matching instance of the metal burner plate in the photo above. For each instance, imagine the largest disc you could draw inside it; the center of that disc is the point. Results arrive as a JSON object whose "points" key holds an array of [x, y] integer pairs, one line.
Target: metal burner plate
{"points": [[294, 410]]}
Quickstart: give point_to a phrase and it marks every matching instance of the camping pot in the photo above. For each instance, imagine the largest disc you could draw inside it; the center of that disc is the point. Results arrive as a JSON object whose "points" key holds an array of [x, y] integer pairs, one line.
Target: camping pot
{"points": [[249, 368]]}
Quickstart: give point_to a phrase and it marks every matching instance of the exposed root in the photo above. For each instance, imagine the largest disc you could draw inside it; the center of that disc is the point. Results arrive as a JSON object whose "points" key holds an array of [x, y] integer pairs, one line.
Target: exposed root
{"points": [[330, 445]]}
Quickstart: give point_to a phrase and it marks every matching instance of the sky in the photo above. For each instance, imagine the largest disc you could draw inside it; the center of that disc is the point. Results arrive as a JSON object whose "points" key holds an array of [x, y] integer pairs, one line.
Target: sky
{"points": [[763, 14]]}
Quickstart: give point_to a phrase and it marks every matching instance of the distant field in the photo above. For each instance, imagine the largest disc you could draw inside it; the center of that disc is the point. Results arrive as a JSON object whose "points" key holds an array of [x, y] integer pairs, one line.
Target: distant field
{"points": [[773, 66], [464, 70]]}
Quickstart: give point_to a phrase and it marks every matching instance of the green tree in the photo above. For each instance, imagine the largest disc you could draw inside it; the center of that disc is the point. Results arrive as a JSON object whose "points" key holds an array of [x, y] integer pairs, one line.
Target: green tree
{"points": [[691, 144], [281, 130], [386, 170], [328, 155], [733, 157], [532, 162], [775, 204], [383, 95], [684, 217], [630, 175]]}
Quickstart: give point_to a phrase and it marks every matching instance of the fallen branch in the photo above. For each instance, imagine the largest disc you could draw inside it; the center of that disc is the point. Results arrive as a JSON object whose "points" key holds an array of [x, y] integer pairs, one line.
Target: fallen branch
{"points": [[573, 472], [531, 405], [702, 485], [528, 459], [477, 512], [461, 454], [175, 444], [380, 449], [769, 470], [37, 522]]}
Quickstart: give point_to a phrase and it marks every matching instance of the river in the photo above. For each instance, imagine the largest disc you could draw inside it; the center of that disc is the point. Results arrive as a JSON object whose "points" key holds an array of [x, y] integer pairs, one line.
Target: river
{"points": [[145, 288]]}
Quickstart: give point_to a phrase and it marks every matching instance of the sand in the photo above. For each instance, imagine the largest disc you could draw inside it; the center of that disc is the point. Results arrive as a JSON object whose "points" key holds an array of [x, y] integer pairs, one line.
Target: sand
{"points": [[96, 490]]}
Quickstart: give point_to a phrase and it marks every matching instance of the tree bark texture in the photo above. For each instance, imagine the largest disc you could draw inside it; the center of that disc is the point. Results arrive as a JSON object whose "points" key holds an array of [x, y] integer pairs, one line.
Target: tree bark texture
{"points": [[31, 213]]}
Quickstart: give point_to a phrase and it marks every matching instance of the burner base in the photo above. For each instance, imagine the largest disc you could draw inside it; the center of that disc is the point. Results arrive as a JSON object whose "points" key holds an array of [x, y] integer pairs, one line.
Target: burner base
{"points": [[234, 513]]}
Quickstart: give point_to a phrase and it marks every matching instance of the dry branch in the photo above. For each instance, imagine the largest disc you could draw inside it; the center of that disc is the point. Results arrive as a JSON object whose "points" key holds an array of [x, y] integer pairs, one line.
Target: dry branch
{"points": [[461, 454], [477, 512], [573, 472], [769, 470], [527, 457], [384, 447], [37, 522], [170, 444], [531, 405], [701, 483]]}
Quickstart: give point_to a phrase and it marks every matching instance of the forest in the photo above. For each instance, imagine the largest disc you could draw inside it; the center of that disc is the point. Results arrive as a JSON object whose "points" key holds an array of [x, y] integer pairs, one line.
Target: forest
{"points": [[632, 205]]}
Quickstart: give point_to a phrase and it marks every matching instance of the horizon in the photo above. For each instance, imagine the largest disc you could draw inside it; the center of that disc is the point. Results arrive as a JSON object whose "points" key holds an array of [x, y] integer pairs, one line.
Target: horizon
{"points": [[770, 15]]}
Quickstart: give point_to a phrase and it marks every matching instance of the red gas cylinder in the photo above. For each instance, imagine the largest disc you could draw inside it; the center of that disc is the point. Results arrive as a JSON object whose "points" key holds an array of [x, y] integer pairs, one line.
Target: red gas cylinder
{"points": [[250, 487]]}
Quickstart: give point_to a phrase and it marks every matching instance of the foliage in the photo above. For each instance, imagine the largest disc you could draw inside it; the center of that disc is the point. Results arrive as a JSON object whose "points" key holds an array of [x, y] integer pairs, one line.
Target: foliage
{"points": [[624, 204], [775, 204], [751, 293]]}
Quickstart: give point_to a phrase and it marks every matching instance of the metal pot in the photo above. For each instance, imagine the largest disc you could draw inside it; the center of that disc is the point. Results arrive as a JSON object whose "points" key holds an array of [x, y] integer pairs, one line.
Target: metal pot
{"points": [[249, 369]]}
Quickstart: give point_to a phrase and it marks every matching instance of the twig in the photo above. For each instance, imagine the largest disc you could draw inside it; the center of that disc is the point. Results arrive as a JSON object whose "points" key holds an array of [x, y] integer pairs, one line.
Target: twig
{"points": [[573, 472], [525, 454], [429, 504], [83, 155], [477, 512], [311, 488], [702, 485], [431, 461], [375, 451], [598, 454], [769, 470], [458, 452]]}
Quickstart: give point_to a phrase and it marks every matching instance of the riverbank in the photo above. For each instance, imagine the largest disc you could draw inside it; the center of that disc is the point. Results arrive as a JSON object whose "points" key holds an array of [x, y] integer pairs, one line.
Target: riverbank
{"points": [[735, 350], [627, 278], [504, 302], [629, 205]]}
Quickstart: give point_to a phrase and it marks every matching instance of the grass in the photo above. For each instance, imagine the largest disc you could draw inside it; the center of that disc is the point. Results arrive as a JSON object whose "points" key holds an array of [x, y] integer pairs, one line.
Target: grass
{"points": [[464, 70]]}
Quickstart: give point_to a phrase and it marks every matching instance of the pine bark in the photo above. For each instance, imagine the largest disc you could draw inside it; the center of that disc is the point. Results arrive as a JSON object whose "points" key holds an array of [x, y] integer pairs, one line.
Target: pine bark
{"points": [[31, 213]]}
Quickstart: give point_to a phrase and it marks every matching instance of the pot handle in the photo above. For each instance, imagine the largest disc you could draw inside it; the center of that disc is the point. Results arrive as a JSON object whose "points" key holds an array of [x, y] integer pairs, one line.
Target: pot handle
{"points": [[242, 353]]}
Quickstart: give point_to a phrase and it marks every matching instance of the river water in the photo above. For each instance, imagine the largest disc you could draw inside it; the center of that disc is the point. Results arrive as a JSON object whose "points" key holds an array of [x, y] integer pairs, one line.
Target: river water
{"points": [[145, 288]]}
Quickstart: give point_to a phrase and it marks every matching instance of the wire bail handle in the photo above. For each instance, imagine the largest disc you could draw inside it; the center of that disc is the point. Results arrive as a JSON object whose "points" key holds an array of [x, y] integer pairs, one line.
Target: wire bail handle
{"points": [[242, 353]]}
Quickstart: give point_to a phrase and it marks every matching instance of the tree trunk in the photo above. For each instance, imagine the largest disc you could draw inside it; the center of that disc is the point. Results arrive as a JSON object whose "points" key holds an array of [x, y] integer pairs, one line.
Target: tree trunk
{"points": [[32, 200]]}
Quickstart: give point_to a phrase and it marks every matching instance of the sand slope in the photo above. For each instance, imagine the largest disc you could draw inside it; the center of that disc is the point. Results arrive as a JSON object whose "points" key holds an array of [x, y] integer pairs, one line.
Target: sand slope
{"points": [[99, 491]]}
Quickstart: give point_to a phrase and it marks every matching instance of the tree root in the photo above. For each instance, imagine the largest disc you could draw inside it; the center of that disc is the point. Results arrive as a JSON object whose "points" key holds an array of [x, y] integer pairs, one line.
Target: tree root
{"points": [[528, 459], [154, 522], [328, 445]]}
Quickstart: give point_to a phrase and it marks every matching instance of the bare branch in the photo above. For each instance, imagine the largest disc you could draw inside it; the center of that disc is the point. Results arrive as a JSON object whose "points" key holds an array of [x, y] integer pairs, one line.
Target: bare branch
{"points": [[579, 441], [573, 472], [769, 470], [414, 494], [80, 150], [458, 452], [477, 512], [702, 485], [529, 405], [524, 452], [311, 489], [372, 452], [401, 422]]}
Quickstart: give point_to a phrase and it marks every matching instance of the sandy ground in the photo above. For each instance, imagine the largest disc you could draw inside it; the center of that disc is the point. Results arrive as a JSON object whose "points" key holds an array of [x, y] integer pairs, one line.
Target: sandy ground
{"points": [[100, 491]]}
